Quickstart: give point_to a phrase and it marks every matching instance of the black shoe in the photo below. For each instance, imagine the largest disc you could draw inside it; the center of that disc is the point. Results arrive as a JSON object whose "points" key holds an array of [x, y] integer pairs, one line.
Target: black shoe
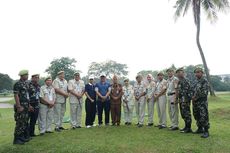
{"points": [[199, 131], [24, 139], [73, 128], [187, 130], [61, 128], [205, 135], [137, 124], [57, 130], [140, 125], [129, 123], [174, 128], [150, 124], [41, 134], [126, 123], [162, 126], [49, 132], [18, 141]]}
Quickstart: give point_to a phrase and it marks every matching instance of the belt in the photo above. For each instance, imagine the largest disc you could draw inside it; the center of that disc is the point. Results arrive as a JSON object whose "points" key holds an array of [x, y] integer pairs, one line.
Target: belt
{"points": [[171, 93]]}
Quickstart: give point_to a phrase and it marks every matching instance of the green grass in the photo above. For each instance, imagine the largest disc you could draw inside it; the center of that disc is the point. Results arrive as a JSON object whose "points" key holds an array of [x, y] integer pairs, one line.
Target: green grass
{"points": [[128, 139]]}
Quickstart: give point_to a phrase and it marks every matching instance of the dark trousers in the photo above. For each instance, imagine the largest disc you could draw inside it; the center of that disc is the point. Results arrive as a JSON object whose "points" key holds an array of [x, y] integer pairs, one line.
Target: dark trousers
{"points": [[116, 113], [90, 109], [103, 106], [33, 116]]}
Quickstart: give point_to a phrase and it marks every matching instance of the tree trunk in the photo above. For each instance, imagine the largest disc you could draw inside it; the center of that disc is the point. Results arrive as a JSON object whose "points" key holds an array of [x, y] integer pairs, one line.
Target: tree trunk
{"points": [[212, 93]]}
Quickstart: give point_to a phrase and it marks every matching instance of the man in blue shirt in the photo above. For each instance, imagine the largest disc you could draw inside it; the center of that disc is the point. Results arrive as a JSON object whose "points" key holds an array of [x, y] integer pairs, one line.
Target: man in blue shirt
{"points": [[103, 89]]}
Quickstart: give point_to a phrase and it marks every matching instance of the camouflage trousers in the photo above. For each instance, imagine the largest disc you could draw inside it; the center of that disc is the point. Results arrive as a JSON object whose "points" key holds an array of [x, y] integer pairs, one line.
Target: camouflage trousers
{"points": [[185, 112], [200, 113], [21, 119]]}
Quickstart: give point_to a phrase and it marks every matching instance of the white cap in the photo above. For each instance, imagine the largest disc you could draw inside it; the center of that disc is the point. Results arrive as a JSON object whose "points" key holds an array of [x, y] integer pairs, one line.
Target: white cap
{"points": [[91, 77], [102, 74]]}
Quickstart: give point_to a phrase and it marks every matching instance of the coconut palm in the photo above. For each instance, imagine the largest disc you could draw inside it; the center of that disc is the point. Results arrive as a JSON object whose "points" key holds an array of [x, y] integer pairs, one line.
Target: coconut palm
{"points": [[210, 7]]}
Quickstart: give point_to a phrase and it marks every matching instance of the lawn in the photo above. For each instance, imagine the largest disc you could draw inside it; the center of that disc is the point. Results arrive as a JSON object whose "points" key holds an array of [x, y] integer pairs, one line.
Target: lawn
{"points": [[127, 139]]}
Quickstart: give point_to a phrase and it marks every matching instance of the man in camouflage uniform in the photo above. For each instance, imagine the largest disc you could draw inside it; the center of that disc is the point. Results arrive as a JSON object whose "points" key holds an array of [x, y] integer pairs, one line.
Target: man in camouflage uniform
{"points": [[172, 84], [21, 108], [47, 96], [34, 103], [160, 98], [115, 102], [77, 89], [128, 101], [150, 88], [139, 93], [200, 103], [184, 97], [60, 86]]}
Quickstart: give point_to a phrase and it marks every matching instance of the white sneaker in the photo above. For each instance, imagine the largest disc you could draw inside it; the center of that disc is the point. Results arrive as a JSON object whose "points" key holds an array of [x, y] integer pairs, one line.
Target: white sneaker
{"points": [[88, 126]]}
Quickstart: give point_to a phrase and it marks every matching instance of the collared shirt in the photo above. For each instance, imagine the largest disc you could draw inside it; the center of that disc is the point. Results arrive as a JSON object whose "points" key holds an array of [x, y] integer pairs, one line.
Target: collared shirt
{"points": [[172, 84], [47, 92], [62, 85], [76, 86], [34, 92], [128, 94], [160, 86], [139, 89], [90, 89], [22, 89], [150, 88], [103, 88]]}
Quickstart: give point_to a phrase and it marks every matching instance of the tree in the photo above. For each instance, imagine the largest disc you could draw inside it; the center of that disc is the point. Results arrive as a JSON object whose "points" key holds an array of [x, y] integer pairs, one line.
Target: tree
{"points": [[210, 7], [6, 83], [109, 68], [63, 64]]}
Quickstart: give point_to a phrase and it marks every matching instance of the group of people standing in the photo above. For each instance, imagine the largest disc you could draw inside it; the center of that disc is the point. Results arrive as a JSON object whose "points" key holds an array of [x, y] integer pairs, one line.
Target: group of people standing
{"points": [[47, 103]]}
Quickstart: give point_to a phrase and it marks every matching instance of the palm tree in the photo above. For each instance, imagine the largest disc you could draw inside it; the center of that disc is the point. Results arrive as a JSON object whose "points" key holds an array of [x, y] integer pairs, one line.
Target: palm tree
{"points": [[210, 7]]}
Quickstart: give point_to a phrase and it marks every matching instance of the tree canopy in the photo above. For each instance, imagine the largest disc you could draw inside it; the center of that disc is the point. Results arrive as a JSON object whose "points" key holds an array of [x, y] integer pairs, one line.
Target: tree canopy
{"points": [[62, 64]]}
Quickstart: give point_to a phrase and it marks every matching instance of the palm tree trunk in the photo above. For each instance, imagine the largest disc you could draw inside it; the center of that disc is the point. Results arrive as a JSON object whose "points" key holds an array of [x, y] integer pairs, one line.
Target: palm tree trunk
{"points": [[212, 93]]}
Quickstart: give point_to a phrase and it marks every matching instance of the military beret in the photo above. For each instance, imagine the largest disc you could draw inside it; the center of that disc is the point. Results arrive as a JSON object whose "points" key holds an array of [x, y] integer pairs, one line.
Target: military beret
{"points": [[169, 69], [23, 72], [160, 73], [48, 78], [126, 79], [34, 75], [180, 69], [199, 69], [60, 72], [76, 73]]}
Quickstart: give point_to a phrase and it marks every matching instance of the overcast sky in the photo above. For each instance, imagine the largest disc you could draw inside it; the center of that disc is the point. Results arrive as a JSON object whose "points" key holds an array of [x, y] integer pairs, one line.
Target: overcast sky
{"points": [[139, 33]]}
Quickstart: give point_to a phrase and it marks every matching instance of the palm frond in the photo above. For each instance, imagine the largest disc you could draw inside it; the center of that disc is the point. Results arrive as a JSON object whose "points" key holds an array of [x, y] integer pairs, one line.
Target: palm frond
{"points": [[222, 5], [188, 2], [180, 5], [210, 9]]}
